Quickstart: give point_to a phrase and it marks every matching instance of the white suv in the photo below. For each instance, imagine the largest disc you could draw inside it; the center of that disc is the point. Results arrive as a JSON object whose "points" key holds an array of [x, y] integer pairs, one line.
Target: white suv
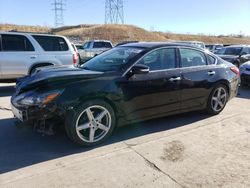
{"points": [[22, 53]]}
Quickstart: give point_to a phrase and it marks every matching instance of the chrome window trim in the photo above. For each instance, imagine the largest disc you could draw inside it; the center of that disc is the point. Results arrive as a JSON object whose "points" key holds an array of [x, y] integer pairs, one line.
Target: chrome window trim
{"points": [[174, 47], [203, 52]]}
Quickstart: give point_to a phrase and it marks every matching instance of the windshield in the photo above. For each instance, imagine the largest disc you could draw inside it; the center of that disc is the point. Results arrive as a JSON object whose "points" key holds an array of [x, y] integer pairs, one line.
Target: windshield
{"points": [[229, 51], [111, 60]]}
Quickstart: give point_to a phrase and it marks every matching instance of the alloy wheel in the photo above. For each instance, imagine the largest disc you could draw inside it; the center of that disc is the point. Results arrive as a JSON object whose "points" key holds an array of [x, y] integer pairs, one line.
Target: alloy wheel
{"points": [[93, 124], [219, 99]]}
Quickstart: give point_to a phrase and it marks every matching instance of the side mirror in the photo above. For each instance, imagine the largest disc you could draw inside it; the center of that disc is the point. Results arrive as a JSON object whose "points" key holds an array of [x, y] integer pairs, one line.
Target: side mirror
{"points": [[139, 69]]}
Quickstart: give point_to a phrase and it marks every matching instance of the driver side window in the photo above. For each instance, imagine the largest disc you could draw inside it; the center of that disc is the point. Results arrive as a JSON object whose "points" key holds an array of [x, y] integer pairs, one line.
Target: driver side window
{"points": [[160, 59]]}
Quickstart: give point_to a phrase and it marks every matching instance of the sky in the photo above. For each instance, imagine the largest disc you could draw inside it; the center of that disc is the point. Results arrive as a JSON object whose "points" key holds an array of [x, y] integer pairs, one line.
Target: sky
{"points": [[215, 17]]}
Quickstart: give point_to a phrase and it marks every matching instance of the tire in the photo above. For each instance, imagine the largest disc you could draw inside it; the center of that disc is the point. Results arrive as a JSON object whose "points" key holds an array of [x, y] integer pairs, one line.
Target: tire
{"points": [[217, 100], [91, 124]]}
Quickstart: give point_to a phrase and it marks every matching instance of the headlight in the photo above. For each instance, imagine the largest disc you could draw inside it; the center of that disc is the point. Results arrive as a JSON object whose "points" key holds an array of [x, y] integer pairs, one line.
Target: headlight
{"points": [[40, 99]]}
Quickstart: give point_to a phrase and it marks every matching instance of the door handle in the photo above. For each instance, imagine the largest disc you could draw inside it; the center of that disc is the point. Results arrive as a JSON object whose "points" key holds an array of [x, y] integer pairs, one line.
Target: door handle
{"points": [[174, 79], [211, 73], [33, 57]]}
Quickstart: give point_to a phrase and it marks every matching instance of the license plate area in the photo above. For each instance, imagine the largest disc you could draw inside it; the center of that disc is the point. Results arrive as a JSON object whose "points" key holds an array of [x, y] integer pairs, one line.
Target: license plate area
{"points": [[17, 113]]}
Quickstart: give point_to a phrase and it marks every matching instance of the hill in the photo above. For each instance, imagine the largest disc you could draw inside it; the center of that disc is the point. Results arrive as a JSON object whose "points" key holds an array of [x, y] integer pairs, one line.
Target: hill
{"points": [[24, 28], [115, 33], [118, 33]]}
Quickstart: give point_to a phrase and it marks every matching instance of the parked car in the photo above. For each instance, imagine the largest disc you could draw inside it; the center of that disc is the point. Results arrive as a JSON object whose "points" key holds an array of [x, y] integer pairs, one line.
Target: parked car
{"points": [[236, 54], [94, 48], [130, 83], [214, 47], [22, 53], [193, 43], [245, 73]]}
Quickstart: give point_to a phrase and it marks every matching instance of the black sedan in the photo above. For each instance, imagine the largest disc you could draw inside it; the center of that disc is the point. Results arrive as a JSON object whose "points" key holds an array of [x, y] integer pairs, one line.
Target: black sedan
{"points": [[130, 83]]}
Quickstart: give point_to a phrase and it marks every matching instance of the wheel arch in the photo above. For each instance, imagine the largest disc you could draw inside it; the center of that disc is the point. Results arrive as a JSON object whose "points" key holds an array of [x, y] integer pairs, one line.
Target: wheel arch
{"points": [[103, 98], [226, 83], [40, 64]]}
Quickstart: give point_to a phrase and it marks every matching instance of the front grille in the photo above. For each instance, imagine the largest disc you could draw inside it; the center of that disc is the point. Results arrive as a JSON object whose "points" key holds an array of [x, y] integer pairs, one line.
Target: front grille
{"points": [[248, 69], [245, 78]]}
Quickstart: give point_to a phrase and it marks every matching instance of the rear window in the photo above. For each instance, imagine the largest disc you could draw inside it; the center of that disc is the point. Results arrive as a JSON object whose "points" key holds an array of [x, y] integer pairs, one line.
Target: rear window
{"points": [[50, 43], [15, 43], [102, 45], [79, 47], [211, 60], [192, 58]]}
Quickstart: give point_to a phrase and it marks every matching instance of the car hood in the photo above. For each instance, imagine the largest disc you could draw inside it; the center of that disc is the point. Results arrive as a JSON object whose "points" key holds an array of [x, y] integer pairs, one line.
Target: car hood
{"points": [[63, 74]]}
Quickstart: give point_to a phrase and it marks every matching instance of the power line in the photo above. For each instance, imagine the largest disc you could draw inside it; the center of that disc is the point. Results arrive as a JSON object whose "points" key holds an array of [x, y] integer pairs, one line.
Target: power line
{"points": [[114, 12], [58, 8]]}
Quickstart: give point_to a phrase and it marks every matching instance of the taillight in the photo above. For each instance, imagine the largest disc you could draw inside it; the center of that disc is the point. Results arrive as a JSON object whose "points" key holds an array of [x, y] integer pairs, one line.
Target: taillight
{"points": [[75, 58], [235, 70]]}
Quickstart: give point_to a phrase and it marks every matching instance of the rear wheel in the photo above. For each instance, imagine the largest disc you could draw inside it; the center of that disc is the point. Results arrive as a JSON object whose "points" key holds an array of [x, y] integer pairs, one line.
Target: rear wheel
{"points": [[217, 100], [93, 122]]}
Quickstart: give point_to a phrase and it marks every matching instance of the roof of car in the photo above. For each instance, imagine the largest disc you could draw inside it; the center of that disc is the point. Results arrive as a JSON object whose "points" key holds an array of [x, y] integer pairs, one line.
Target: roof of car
{"points": [[192, 41], [99, 41], [156, 45], [28, 33]]}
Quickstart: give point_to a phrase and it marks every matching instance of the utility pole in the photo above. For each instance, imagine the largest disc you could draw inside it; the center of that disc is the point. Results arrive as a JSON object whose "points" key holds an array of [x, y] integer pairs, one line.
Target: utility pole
{"points": [[114, 12], [58, 8]]}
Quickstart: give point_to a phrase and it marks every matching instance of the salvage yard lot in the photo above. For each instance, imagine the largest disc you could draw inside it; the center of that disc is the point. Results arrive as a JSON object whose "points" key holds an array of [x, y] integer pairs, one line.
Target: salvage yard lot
{"points": [[189, 150]]}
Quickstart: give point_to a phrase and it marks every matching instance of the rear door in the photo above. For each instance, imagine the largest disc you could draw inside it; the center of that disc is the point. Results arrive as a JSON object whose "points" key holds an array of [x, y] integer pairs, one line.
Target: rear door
{"points": [[55, 49], [16, 56], [156, 93], [197, 77]]}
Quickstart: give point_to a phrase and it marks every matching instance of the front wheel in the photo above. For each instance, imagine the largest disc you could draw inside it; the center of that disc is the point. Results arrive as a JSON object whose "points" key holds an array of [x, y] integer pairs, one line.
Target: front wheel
{"points": [[217, 100], [93, 122]]}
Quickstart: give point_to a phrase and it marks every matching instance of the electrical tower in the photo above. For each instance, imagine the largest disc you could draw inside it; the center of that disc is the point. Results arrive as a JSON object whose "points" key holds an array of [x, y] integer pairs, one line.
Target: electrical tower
{"points": [[58, 7], [114, 12]]}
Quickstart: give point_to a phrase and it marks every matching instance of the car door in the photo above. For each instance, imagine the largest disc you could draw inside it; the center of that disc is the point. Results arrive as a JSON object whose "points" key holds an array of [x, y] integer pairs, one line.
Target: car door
{"points": [[156, 93], [196, 78], [16, 56]]}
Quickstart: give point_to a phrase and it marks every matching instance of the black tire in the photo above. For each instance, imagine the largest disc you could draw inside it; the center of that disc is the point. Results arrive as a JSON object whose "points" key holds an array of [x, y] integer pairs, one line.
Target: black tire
{"points": [[72, 120], [210, 107]]}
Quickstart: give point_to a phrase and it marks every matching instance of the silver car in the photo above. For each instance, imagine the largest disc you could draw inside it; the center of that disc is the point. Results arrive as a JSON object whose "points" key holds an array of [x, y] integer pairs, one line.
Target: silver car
{"points": [[23, 53], [93, 48]]}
